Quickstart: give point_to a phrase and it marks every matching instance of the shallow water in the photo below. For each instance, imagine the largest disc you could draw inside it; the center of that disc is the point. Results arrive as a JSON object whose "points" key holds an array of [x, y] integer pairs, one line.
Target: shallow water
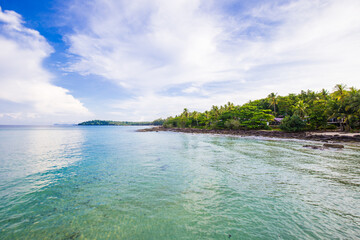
{"points": [[115, 183]]}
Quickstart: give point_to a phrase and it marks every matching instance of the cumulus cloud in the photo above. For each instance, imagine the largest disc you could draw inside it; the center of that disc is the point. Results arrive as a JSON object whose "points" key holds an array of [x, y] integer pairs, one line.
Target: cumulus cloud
{"points": [[25, 84], [148, 47]]}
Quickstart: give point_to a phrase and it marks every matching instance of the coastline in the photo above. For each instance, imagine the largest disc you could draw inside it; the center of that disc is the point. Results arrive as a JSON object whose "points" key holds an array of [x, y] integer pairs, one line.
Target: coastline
{"points": [[312, 136]]}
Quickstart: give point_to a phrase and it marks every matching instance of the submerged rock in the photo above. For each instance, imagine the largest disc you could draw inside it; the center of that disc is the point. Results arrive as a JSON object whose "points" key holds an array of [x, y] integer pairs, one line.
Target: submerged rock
{"points": [[332, 145], [164, 167], [313, 146]]}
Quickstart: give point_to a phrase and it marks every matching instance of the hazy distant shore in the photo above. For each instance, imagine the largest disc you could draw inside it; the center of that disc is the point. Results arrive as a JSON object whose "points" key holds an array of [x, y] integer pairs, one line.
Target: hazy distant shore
{"points": [[315, 136]]}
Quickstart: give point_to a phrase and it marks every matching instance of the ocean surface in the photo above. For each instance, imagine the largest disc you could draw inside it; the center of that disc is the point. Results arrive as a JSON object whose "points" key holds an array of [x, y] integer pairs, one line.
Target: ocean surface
{"points": [[107, 182]]}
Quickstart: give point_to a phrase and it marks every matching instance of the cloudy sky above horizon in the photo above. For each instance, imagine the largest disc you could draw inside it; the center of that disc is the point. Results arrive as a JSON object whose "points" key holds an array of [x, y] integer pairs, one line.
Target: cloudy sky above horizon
{"points": [[75, 60]]}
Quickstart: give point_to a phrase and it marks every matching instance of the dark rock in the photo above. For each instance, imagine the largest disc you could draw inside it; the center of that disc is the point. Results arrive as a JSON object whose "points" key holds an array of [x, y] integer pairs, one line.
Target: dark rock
{"points": [[332, 145], [264, 133], [313, 146]]}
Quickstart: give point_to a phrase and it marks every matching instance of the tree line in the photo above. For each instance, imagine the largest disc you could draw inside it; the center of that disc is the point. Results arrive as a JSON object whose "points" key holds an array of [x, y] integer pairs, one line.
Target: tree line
{"points": [[120, 123], [308, 110]]}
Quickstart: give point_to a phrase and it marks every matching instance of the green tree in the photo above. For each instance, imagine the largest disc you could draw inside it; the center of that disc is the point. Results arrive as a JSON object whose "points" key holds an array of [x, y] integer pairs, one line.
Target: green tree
{"points": [[317, 117], [301, 109], [314, 107], [292, 124], [273, 100]]}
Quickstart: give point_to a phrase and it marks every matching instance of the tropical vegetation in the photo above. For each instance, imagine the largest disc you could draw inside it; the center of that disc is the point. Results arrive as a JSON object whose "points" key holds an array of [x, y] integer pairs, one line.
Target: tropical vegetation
{"points": [[308, 110]]}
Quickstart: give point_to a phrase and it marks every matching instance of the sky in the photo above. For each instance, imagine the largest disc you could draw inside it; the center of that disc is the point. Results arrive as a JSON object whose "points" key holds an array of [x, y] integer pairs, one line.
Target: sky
{"points": [[138, 60]]}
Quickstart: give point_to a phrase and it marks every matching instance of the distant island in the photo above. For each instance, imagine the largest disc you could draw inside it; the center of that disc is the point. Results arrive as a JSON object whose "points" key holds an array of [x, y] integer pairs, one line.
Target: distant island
{"points": [[157, 122]]}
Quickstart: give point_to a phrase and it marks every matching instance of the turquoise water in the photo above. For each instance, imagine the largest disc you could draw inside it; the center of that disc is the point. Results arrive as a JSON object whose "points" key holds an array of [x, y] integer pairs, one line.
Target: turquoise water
{"points": [[115, 183]]}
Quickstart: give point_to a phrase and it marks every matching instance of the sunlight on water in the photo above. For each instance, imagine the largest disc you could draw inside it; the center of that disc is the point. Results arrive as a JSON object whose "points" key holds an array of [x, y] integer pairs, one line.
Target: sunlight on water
{"points": [[115, 183]]}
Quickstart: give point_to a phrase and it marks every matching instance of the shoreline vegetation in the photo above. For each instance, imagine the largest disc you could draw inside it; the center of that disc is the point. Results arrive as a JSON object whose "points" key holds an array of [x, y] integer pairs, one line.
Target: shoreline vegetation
{"points": [[306, 111], [308, 115]]}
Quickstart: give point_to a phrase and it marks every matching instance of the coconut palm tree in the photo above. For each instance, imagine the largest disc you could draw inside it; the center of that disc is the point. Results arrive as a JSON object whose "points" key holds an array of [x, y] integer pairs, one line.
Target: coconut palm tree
{"points": [[215, 111], [301, 109], [324, 94], [185, 113], [340, 92], [229, 106], [273, 100], [195, 115]]}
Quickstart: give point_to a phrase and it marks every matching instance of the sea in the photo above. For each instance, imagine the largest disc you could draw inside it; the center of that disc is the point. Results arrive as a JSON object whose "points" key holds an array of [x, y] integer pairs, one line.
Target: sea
{"points": [[112, 182]]}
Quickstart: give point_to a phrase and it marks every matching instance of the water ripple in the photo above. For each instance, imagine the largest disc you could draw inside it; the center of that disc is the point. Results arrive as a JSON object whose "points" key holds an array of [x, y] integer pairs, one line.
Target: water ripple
{"points": [[115, 183]]}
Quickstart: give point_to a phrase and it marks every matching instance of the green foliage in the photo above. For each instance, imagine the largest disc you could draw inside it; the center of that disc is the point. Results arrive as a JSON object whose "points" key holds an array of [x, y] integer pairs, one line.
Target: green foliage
{"points": [[314, 109], [114, 123], [232, 124], [273, 101], [251, 117], [224, 117], [317, 117], [292, 124], [345, 107], [158, 122]]}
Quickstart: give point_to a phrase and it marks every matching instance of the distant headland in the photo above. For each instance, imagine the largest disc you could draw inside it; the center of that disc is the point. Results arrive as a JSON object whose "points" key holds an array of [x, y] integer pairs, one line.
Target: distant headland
{"points": [[157, 122]]}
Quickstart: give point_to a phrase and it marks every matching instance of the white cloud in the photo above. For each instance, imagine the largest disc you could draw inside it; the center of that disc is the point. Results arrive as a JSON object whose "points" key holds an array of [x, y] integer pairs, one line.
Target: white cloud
{"points": [[24, 82], [149, 46], [139, 109], [171, 44]]}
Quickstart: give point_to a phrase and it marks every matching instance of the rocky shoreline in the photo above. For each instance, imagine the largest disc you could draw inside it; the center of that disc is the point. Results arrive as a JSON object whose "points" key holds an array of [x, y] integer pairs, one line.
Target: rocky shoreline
{"points": [[317, 136]]}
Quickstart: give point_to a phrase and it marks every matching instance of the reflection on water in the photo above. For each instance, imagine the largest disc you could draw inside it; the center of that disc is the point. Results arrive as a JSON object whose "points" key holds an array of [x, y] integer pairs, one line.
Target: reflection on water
{"points": [[114, 183], [29, 154], [30, 151]]}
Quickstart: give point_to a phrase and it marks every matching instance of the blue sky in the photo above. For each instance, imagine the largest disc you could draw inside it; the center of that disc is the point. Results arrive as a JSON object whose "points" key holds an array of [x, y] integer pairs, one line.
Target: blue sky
{"points": [[74, 60]]}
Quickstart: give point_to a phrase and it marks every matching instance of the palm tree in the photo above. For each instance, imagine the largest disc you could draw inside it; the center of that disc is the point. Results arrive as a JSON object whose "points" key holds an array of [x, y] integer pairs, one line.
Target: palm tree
{"points": [[324, 94], [339, 107], [273, 100], [340, 92], [195, 115], [207, 118], [300, 109], [185, 113], [184, 117], [229, 106], [352, 108], [353, 90], [215, 111]]}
